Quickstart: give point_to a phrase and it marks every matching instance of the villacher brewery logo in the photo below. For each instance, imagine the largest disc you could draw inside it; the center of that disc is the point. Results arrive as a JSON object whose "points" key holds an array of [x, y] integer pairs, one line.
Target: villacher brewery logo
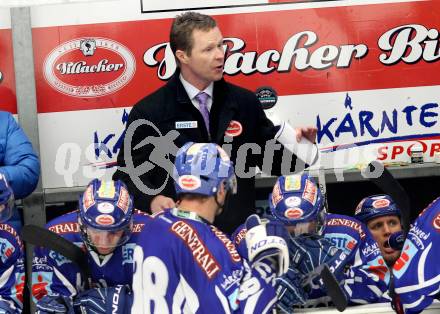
{"points": [[89, 67]]}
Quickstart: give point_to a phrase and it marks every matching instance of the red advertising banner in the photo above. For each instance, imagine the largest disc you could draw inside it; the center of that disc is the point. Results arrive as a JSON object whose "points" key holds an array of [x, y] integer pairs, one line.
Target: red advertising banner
{"points": [[8, 101], [149, 6], [303, 51], [364, 74]]}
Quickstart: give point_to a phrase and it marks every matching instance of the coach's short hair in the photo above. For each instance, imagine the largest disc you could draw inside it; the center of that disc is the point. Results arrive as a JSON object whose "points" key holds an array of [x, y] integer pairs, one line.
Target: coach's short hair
{"points": [[183, 27]]}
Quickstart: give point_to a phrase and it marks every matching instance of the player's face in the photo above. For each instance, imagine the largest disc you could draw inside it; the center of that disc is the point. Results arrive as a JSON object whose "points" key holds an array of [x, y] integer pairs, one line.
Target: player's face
{"points": [[302, 228], [205, 62], [382, 228], [104, 241]]}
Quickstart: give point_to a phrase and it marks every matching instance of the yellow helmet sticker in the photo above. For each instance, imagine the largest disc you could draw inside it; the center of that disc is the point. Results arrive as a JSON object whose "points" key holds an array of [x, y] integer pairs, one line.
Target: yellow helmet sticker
{"points": [[107, 189], [292, 183]]}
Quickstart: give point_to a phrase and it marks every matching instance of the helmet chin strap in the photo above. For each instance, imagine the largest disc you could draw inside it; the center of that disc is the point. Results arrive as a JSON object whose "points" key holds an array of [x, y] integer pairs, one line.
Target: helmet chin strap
{"points": [[89, 244], [221, 208], [93, 248]]}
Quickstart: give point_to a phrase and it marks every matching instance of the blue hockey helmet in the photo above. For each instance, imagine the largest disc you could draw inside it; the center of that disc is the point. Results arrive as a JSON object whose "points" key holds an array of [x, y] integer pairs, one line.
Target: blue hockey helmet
{"points": [[7, 200], [296, 200], [200, 168], [376, 206], [106, 214]]}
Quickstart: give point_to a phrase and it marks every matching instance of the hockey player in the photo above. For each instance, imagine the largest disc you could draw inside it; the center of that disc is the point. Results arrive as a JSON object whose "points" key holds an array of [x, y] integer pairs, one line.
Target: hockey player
{"points": [[11, 254], [106, 227], [417, 271], [319, 238], [185, 264], [382, 217]]}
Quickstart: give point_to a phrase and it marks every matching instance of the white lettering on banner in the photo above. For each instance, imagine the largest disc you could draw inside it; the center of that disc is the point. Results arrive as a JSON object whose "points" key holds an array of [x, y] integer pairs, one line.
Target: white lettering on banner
{"points": [[200, 252], [104, 50], [83, 67], [167, 65], [409, 43], [250, 62]]}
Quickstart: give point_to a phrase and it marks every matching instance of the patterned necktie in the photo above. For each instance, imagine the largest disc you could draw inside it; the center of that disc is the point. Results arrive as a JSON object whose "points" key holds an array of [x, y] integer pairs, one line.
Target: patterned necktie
{"points": [[202, 98]]}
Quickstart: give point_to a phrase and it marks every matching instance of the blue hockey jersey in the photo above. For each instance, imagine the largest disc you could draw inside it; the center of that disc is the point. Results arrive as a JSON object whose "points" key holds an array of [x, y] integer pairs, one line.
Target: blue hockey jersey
{"points": [[366, 276], [361, 268], [11, 268], [183, 263], [417, 271], [53, 274]]}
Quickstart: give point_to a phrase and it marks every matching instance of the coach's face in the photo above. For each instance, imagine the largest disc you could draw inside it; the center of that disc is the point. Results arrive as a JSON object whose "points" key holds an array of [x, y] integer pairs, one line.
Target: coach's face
{"points": [[381, 229], [204, 64]]}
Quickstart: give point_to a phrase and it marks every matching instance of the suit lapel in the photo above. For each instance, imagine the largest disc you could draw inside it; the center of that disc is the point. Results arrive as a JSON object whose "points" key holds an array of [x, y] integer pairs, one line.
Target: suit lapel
{"points": [[223, 109], [184, 107]]}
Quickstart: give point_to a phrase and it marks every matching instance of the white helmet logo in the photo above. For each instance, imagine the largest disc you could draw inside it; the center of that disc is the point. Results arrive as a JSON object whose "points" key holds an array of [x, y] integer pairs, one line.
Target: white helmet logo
{"points": [[106, 208]]}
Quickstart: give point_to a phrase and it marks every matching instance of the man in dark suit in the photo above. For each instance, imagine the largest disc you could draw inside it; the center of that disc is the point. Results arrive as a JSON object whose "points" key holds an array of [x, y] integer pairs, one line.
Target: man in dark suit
{"points": [[198, 104]]}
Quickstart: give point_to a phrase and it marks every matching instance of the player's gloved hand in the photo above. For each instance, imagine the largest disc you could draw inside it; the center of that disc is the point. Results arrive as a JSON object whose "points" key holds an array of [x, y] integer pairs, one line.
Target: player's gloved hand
{"points": [[116, 299], [307, 252], [55, 304], [304, 251], [266, 241], [289, 291]]}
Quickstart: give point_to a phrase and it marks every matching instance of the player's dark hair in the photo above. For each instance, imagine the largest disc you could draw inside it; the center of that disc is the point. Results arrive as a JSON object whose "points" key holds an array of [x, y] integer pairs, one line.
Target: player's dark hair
{"points": [[192, 197]]}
